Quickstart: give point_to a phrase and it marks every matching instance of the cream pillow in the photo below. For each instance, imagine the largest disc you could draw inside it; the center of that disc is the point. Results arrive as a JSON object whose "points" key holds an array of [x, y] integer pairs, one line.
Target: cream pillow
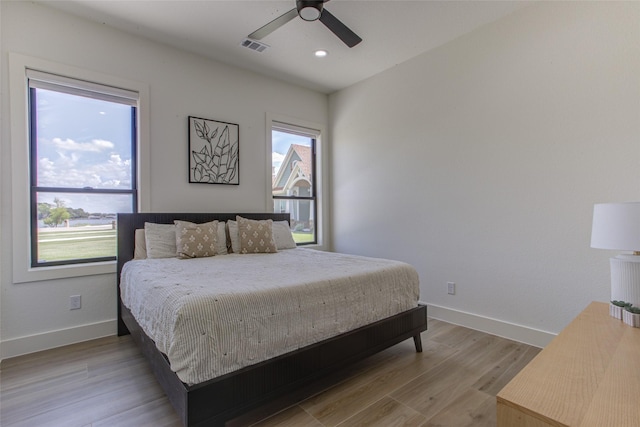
{"points": [[256, 237], [232, 228], [221, 243], [160, 240], [139, 247], [196, 240], [282, 235]]}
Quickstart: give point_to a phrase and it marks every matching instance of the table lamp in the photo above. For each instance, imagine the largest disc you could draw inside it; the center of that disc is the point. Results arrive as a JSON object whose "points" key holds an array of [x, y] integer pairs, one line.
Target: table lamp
{"points": [[616, 226]]}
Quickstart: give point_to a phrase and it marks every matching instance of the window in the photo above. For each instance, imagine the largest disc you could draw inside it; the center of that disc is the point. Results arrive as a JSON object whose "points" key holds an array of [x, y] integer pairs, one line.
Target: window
{"points": [[82, 167], [293, 179], [22, 74]]}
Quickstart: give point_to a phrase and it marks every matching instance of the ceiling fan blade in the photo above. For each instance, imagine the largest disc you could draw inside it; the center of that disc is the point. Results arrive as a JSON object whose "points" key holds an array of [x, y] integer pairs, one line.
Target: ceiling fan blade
{"points": [[339, 29], [273, 25]]}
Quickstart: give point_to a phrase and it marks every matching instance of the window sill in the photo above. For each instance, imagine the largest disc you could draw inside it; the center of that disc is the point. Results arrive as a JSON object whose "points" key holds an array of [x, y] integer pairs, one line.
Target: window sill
{"points": [[38, 274], [315, 246]]}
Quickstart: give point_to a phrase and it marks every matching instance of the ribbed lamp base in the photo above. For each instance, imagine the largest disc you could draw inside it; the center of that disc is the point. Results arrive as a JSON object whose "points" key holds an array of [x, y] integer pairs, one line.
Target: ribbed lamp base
{"points": [[625, 279]]}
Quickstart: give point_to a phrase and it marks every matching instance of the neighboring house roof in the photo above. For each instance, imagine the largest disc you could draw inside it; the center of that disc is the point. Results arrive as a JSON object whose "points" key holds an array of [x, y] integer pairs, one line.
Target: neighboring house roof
{"points": [[304, 153], [296, 162]]}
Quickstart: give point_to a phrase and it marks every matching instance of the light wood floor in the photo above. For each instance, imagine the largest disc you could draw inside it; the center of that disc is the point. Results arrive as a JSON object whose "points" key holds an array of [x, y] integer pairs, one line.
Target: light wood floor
{"points": [[106, 382]]}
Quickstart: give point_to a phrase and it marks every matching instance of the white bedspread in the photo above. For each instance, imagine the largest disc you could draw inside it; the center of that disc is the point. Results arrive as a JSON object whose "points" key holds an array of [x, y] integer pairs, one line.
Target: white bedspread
{"points": [[211, 316]]}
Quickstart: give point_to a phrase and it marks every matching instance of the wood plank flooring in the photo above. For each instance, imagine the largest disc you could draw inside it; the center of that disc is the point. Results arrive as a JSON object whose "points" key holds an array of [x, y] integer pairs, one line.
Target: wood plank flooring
{"points": [[106, 382]]}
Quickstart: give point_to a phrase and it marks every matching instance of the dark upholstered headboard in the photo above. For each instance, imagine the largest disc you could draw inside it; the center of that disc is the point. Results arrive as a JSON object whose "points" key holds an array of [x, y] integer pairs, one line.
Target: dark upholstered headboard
{"points": [[128, 223]]}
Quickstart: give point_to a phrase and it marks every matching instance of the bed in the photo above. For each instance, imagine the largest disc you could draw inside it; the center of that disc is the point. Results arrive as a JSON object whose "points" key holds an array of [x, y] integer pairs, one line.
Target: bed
{"points": [[231, 390]]}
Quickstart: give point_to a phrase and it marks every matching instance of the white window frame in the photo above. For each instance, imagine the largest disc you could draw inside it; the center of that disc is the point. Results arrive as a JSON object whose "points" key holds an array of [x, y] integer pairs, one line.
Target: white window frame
{"points": [[20, 190], [322, 175]]}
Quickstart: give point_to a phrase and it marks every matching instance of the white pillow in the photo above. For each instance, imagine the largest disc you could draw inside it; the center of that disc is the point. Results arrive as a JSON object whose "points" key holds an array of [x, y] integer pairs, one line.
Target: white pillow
{"points": [[160, 240], [221, 243], [232, 226], [140, 246], [282, 235]]}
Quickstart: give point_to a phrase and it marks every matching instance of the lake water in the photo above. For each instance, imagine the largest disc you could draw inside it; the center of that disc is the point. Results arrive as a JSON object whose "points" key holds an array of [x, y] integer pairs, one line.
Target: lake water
{"points": [[80, 222]]}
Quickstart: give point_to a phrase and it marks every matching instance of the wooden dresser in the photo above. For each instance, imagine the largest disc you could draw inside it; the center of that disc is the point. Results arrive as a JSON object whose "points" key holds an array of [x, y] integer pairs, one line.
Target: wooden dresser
{"points": [[589, 375]]}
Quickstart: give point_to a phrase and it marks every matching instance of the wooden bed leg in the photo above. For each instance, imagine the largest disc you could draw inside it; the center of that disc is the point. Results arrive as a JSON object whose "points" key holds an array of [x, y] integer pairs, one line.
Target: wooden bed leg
{"points": [[417, 340]]}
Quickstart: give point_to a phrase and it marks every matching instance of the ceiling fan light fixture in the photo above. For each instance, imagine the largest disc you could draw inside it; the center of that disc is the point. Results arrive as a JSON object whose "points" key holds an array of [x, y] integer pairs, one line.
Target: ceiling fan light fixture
{"points": [[309, 10]]}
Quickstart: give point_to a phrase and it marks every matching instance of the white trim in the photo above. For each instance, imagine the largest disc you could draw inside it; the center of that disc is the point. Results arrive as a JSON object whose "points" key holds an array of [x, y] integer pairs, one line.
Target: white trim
{"points": [[322, 174], [512, 331], [43, 80], [292, 128], [18, 90], [59, 338]]}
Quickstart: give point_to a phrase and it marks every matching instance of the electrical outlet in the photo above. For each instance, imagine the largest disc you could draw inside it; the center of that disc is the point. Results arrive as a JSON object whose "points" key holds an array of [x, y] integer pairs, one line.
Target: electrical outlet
{"points": [[451, 288], [75, 302]]}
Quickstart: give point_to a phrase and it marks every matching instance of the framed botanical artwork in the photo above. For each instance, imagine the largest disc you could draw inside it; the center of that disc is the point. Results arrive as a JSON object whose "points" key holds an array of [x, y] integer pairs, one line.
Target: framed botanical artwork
{"points": [[213, 152]]}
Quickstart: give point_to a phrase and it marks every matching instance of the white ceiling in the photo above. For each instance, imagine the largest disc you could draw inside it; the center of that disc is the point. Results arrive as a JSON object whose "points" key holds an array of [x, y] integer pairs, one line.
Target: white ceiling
{"points": [[392, 32]]}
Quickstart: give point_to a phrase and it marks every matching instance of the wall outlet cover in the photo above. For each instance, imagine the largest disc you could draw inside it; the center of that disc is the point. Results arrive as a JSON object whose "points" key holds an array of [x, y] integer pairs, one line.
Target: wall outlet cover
{"points": [[451, 288], [75, 302]]}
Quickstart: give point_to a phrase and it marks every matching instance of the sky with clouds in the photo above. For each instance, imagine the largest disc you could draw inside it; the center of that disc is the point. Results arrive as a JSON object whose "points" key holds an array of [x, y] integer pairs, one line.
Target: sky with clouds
{"points": [[83, 142]]}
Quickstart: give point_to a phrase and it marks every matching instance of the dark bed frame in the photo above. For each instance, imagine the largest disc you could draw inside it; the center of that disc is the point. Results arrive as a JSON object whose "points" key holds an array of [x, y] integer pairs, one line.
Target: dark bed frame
{"points": [[216, 401]]}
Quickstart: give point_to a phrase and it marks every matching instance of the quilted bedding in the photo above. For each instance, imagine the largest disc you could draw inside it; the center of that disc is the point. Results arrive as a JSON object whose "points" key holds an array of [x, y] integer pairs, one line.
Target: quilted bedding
{"points": [[211, 316]]}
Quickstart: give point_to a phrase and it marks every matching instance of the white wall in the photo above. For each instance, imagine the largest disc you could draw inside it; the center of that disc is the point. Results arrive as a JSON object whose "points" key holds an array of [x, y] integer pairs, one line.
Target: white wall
{"points": [[489, 151], [36, 315], [479, 163]]}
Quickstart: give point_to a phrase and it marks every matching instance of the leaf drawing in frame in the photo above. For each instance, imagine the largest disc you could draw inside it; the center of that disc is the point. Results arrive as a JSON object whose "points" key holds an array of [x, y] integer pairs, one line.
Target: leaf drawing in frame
{"points": [[213, 147]]}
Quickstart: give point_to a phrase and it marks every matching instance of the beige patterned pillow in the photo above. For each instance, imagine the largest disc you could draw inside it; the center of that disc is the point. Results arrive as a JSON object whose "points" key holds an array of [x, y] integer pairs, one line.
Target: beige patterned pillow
{"points": [[196, 240], [256, 237]]}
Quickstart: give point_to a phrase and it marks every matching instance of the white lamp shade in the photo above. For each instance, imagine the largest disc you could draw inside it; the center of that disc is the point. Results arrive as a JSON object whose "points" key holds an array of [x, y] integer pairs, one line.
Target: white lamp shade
{"points": [[616, 226]]}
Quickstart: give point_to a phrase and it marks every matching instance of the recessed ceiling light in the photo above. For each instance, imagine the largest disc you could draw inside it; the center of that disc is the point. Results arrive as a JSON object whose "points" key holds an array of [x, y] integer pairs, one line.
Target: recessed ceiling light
{"points": [[321, 53]]}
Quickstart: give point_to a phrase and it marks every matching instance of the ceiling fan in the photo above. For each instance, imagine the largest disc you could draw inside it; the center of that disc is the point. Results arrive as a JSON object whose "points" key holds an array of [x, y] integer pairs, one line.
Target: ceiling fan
{"points": [[310, 11]]}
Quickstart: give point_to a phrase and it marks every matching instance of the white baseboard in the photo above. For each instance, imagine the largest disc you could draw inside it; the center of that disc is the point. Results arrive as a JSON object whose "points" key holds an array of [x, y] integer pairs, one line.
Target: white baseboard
{"points": [[48, 340], [523, 334], [45, 341]]}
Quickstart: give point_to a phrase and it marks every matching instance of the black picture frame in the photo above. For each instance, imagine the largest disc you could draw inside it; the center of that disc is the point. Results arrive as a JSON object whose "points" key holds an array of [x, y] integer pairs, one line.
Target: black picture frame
{"points": [[214, 149]]}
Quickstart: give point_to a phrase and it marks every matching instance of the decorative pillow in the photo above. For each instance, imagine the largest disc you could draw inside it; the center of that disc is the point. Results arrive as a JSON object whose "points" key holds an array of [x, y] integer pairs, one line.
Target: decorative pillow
{"points": [[256, 237], [282, 235], [196, 240], [221, 243], [139, 247], [160, 240], [234, 239]]}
